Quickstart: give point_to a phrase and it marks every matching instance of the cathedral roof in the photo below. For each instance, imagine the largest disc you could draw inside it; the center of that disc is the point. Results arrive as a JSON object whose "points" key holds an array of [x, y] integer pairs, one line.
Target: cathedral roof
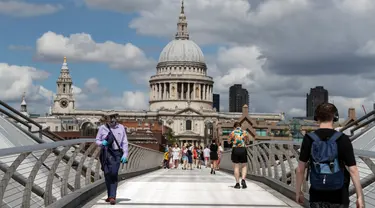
{"points": [[182, 48]]}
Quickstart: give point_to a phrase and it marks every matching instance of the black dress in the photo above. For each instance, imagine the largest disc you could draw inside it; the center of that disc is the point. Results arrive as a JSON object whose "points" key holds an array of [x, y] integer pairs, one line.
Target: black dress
{"points": [[213, 154]]}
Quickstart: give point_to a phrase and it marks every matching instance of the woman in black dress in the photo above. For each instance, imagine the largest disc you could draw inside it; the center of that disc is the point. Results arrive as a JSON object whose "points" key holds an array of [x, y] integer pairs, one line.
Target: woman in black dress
{"points": [[213, 156]]}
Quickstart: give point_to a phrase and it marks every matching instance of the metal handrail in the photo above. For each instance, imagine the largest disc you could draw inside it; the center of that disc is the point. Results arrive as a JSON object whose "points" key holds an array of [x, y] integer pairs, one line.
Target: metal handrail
{"points": [[275, 163], [28, 120], [49, 172], [358, 120], [48, 133], [19, 114], [361, 125]]}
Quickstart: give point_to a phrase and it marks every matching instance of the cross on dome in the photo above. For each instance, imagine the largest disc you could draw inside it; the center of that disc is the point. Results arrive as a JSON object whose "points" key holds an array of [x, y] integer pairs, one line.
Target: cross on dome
{"points": [[182, 30], [65, 64], [182, 7]]}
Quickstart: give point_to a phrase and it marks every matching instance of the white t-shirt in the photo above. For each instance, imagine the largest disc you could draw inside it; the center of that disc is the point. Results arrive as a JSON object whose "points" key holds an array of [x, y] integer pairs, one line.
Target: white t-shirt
{"points": [[220, 149], [206, 152], [176, 153]]}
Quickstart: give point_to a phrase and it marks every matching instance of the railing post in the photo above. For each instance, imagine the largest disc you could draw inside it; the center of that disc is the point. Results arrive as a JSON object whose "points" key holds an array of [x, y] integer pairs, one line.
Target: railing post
{"points": [[36, 169]]}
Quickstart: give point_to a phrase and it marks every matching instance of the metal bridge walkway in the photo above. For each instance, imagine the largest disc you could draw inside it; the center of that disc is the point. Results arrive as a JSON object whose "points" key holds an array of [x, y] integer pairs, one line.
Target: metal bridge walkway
{"points": [[191, 188], [38, 169]]}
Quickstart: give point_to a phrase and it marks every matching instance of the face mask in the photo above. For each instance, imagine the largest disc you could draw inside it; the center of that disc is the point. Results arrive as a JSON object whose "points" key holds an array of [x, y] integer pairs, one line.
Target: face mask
{"points": [[113, 122]]}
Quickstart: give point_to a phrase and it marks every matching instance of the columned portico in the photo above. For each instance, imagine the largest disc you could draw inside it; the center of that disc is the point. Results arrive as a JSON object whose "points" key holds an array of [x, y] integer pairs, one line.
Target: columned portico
{"points": [[198, 141], [181, 95], [163, 90], [181, 74]]}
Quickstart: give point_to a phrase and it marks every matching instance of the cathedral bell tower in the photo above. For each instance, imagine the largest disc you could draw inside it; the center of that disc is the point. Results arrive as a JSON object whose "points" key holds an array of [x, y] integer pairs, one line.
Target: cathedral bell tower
{"points": [[63, 102], [24, 106]]}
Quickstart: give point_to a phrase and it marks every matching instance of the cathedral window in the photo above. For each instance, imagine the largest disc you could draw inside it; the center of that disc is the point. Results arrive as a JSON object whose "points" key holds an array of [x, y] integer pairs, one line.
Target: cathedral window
{"points": [[188, 124], [139, 122]]}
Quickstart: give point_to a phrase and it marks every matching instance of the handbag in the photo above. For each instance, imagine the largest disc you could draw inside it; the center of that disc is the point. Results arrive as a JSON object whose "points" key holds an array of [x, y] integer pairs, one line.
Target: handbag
{"points": [[114, 138]]}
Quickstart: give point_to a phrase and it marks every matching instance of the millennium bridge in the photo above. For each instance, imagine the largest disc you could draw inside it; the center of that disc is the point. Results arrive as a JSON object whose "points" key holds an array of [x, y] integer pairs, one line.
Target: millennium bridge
{"points": [[40, 169]]}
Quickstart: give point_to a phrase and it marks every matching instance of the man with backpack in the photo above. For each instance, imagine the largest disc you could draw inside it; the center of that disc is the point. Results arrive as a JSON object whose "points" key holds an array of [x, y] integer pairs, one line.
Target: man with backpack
{"points": [[329, 157]]}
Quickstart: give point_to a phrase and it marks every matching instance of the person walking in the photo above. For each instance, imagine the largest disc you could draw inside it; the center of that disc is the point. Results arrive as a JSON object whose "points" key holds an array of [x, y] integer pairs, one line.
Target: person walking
{"points": [[166, 160], [190, 156], [213, 156], [206, 154], [176, 155], [200, 158], [237, 138], [219, 152], [113, 140], [184, 157], [329, 157]]}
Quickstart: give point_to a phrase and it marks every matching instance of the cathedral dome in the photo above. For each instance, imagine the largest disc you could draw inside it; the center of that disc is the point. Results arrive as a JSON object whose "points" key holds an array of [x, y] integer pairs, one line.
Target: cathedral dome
{"points": [[181, 50]]}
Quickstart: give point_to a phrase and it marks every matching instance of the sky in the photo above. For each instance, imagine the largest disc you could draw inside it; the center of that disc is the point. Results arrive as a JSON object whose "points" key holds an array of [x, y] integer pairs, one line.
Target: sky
{"points": [[277, 49]]}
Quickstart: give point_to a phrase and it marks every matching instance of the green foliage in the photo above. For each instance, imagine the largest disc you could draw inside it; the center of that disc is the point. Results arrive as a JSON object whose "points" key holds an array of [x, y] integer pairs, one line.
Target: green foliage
{"points": [[170, 137]]}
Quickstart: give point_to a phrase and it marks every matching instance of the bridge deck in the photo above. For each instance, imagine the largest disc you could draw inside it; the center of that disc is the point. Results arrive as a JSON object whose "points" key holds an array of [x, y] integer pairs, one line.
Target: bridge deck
{"points": [[192, 188]]}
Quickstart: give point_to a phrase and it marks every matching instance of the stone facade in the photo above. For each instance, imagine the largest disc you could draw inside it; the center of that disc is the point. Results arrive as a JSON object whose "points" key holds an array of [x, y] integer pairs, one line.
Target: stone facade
{"points": [[63, 102], [181, 96], [263, 129]]}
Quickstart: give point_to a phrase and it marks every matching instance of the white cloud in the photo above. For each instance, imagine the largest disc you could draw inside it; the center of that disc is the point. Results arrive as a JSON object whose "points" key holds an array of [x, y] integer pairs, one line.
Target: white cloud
{"points": [[95, 96], [135, 100], [92, 84], [271, 92], [278, 50], [16, 80], [367, 50], [355, 6], [81, 47], [17, 8]]}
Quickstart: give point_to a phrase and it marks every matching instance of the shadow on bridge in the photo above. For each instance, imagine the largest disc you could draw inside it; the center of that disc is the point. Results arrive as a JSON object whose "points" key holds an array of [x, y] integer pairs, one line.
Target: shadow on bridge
{"points": [[37, 171], [192, 188]]}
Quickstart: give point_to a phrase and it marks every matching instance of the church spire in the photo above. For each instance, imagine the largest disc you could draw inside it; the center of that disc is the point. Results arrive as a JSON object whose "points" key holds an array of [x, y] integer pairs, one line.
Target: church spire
{"points": [[24, 105], [182, 7], [64, 82], [182, 31]]}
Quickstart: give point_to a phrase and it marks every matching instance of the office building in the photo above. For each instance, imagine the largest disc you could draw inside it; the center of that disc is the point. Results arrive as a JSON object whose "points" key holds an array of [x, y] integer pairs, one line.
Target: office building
{"points": [[317, 96], [238, 97], [216, 102]]}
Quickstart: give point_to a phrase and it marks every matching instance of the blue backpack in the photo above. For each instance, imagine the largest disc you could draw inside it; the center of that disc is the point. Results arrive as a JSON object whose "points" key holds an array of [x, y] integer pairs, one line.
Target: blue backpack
{"points": [[325, 173]]}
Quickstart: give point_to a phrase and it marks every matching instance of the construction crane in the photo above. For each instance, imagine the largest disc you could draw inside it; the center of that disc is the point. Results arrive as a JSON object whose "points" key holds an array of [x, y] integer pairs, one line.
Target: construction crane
{"points": [[364, 109]]}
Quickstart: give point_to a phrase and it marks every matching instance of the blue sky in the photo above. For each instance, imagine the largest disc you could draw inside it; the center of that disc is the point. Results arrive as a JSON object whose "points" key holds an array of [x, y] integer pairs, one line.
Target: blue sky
{"points": [[277, 49], [101, 25]]}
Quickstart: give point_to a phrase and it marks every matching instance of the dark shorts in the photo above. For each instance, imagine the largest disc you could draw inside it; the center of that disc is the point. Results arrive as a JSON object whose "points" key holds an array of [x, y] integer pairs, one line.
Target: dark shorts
{"points": [[239, 155], [190, 159], [214, 156]]}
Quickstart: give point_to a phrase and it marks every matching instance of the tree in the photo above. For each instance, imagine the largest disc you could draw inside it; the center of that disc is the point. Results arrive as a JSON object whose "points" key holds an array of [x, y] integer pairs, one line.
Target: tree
{"points": [[170, 137]]}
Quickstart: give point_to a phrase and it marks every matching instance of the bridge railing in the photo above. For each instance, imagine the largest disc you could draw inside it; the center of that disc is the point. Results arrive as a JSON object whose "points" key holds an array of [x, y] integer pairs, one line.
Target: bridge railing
{"points": [[274, 163], [53, 174]]}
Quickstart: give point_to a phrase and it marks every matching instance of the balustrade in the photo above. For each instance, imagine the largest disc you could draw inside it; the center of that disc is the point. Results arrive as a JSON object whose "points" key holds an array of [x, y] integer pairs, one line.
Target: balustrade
{"points": [[40, 175]]}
